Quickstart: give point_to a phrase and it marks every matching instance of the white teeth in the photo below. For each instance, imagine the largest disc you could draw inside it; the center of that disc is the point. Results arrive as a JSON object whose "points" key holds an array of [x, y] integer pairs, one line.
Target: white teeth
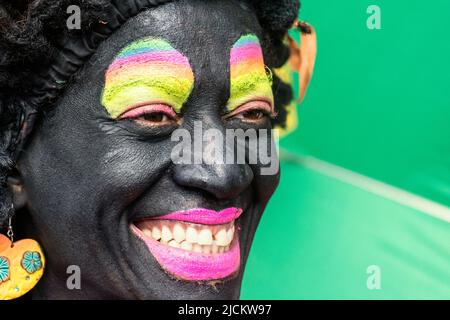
{"points": [[147, 232], [221, 237], [174, 244], [206, 249], [156, 233], [191, 235], [186, 245], [166, 235], [205, 237], [178, 233], [230, 235]]}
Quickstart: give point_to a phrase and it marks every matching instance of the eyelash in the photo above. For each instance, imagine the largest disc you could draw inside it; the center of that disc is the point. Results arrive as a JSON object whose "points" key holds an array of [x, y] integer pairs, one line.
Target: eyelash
{"points": [[141, 113], [253, 106], [140, 110]]}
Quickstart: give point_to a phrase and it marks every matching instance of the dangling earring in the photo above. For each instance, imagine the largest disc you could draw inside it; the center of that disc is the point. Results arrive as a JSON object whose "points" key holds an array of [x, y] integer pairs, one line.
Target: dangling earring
{"points": [[303, 56], [22, 264]]}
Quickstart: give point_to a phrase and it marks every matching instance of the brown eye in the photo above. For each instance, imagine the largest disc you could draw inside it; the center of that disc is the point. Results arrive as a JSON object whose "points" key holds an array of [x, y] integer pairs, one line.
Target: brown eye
{"points": [[253, 115], [152, 115], [253, 111], [157, 117]]}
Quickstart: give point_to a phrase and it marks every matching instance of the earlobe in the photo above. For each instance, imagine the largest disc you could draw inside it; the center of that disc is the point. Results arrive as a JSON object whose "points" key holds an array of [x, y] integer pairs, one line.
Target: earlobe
{"points": [[17, 189], [303, 57]]}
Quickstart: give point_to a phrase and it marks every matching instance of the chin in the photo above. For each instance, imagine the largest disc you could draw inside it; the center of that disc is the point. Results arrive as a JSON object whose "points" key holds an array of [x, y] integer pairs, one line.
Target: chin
{"points": [[196, 253]]}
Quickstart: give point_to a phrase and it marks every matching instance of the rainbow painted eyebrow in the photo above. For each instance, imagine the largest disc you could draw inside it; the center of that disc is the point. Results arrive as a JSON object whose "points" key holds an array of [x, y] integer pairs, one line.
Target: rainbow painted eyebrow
{"points": [[248, 76], [147, 71]]}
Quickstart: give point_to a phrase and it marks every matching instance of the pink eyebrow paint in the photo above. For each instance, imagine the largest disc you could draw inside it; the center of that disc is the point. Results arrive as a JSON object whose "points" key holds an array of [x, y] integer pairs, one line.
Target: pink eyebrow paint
{"points": [[248, 76], [146, 71]]}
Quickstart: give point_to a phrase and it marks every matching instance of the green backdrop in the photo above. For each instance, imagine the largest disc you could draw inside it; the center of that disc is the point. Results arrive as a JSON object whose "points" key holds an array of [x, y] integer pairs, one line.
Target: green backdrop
{"points": [[378, 105]]}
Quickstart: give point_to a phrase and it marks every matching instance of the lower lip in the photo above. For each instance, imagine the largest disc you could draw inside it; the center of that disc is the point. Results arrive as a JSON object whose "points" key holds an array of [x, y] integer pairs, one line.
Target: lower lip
{"points": [[193, 266]]}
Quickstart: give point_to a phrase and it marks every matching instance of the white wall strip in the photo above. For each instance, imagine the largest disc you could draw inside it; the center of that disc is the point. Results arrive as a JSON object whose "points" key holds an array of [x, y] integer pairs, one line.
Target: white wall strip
{"points": [[377, 187]]}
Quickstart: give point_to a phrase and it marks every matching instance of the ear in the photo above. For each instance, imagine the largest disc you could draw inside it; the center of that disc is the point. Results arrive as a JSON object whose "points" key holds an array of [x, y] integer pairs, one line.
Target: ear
{"points": [[303, 57], [17, 189]]}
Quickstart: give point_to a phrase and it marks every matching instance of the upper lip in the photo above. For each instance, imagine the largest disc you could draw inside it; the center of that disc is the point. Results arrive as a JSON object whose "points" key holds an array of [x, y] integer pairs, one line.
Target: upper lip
{"points": [[203, 216]]}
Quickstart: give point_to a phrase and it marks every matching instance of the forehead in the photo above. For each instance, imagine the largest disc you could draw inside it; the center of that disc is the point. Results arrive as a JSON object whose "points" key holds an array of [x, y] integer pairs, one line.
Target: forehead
{"points": [[204, 31], [201, 34]]}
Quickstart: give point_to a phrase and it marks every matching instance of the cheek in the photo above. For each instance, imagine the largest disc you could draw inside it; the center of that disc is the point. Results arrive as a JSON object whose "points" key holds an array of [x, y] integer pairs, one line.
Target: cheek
{"points": [[268, 172], [266, 186], [78, 176]]}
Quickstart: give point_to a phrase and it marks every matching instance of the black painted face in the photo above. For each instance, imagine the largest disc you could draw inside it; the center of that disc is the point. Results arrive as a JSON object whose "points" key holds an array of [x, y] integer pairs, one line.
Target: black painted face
{"points": [[91, 178]]}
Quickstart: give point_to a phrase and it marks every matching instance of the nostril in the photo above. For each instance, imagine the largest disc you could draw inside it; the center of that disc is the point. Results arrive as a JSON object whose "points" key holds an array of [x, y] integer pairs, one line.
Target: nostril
{"points": [[222, 181]]}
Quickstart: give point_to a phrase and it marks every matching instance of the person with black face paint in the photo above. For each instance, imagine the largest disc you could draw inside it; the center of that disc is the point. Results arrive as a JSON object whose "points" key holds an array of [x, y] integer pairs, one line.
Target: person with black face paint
{"points": [[86, 165]]}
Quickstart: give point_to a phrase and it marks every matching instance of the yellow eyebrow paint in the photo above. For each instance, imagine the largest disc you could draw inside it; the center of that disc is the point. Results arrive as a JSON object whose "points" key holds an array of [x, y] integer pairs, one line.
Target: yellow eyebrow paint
{"points": [[147, 71], [248, 76]]}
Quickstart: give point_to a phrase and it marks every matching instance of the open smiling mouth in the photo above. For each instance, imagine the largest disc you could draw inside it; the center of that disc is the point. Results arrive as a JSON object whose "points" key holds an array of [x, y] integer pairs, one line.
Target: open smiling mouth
{"points": [[194, 245]]}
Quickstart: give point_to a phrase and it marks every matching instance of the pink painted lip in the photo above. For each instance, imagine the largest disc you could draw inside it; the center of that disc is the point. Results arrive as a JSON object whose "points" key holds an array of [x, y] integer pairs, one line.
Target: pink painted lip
{"points": [[194, 266], [204, 216]]}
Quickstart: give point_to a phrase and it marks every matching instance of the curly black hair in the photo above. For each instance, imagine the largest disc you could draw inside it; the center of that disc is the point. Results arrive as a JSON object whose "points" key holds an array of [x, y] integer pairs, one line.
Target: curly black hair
{"points": [[33, 34]]}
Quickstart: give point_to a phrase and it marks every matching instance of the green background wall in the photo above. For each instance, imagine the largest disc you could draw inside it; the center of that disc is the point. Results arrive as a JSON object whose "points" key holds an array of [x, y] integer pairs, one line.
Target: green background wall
{"points": [[379, 105]]}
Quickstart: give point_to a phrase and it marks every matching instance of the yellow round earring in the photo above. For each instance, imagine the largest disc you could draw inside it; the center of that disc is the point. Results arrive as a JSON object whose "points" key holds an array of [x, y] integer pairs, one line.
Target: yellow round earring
{"points": [[22, 265]]}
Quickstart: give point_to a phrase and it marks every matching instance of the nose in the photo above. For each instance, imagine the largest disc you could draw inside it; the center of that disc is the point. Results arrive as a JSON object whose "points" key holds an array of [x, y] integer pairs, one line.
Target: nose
{"points": [[223, 181]]}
